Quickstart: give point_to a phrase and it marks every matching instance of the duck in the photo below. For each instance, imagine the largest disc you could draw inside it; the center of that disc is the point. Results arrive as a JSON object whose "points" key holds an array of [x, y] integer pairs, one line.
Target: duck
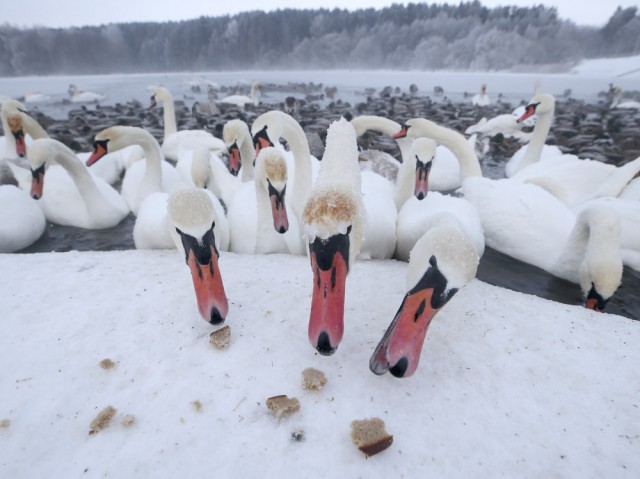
{"points": [[175, 140], [238, 140], [143, 177], [22, 221], [581, 180], [333, 223], [79, 96], [71, 195], [258, 215], [196, 234], [526, 221], [442, 262], [266, 131], [426, 209], [243, 100]]}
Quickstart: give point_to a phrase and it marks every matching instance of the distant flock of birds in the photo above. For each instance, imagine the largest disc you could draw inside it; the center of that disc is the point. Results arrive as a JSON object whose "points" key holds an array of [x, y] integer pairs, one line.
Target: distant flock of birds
{"points": [[572, 217]]}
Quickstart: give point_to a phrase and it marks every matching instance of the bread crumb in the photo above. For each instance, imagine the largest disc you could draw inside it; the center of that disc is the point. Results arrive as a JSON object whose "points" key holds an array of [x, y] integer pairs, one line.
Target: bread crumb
{"points": [[102, 420], [220, 337], [370, 436], [107, 364], [197, 405], [281, 405], [5, 423], [127, 420], [313, 379]]}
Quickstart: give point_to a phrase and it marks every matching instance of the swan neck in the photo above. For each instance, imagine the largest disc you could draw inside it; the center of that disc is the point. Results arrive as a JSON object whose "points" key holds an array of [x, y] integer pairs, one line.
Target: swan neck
{"points": [[538, 139], [456, 142], [248, 154], [169, 115]]}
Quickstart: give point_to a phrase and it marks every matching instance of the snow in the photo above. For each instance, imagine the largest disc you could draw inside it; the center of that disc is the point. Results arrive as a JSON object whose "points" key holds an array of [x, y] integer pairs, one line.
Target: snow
{"points": [[509, 385], [611, 67]]}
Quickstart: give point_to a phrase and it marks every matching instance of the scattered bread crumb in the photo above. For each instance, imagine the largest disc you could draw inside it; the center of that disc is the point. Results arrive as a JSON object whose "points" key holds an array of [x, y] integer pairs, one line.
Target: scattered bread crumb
{"points": [[102, 420], [370, 436], [5, 423], [281, 405], [197, 405], [313, 379], [107, 364], [220, 337], [127, 420]]}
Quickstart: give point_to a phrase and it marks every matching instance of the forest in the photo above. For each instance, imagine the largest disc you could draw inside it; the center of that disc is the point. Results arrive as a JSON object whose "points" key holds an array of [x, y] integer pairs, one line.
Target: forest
{"points": [[417, 36]]}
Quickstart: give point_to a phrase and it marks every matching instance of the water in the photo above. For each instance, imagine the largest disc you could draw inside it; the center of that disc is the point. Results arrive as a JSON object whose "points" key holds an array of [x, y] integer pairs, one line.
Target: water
{"points": [[495, 268]]}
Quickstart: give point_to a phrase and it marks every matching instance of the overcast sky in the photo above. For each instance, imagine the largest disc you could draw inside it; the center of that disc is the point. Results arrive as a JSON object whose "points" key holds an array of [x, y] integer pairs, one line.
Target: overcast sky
{"points": [[64, 13]]}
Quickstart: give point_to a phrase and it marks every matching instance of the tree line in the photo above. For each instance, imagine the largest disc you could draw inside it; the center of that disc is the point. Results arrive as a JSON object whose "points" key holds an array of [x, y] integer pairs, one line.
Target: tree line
{"points": [[414, 36]]}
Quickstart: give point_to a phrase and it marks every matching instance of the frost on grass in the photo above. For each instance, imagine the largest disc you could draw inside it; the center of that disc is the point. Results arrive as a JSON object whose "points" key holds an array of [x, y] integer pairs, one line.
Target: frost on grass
{"points": [[281, 405], [102, 420], [370, 436], [313, 379], [220, 337]]}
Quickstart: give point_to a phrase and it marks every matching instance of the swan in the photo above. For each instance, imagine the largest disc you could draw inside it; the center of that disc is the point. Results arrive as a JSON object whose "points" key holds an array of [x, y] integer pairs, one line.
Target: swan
{"points": [[237, 137], [22, 222], [530, 224], [143, 177], [581, 180], [445, 175], [243, 100], [267, 129], [333, 226], [526, 221], [71, 195], [78, 96], [442, 262], [17, 121], [506, 124], [258, 217], [379, 232], [175, 140], [195, 231], [36, 97], [481, 99], [424, 211]]}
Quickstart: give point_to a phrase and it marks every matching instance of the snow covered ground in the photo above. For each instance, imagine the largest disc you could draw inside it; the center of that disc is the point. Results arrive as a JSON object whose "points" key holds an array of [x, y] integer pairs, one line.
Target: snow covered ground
{"points": [[509, 385], [612, 67]]}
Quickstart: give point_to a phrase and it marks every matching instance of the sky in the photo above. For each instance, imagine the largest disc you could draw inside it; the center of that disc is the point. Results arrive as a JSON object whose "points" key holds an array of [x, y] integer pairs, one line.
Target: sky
{"points": [[65, 13]]}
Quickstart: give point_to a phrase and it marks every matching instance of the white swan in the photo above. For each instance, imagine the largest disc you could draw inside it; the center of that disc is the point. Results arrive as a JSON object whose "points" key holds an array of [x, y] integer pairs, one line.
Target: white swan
{"points": [[143, 177], [422, 212], [196, 231], [506, 124], [237, 137], [71, 195], [17, 124], [581, 180], [516, 216], [333, 226], [175, 140], [79, 96], [243, 100], [21, 219], [442, 262], [267, 129], [258, 217], [36, 97], [481, 99]]}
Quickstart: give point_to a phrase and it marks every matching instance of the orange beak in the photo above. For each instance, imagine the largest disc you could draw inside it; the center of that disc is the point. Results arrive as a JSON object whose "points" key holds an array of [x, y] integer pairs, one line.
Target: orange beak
{"points": [[209, 288], [37, 182], [21, 146], [595, 301], [99, 150], [278, 209], [330, 265], [399, 349], [402, 133], [234, 159], [529, 110], [421, 187]]}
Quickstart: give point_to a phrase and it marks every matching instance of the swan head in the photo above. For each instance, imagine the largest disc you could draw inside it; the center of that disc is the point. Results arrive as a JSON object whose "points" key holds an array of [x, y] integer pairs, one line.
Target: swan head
{"points": [[43, 152], [540, 105], [14, 121], [116, 138], [423, 152], [73, 89], [271, 176], [194, 232], [160, 94], [414, 127], [261, 139], [441, 262], [332, 221], [234, 134]]}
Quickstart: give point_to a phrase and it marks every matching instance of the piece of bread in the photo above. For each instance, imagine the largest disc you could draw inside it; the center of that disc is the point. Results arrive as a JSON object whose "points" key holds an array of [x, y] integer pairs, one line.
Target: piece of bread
{"points": [[220, 337], [107, 364], [281, 405], [370, 436], [313, 379], [102, 420]]}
